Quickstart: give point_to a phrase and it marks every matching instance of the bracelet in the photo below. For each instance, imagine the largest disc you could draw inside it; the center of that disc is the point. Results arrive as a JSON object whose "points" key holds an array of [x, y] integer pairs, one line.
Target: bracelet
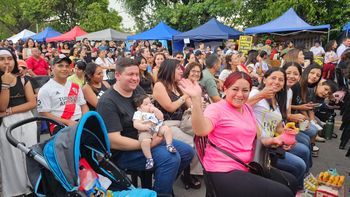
{"points": [[5, 86], [182, 100]]}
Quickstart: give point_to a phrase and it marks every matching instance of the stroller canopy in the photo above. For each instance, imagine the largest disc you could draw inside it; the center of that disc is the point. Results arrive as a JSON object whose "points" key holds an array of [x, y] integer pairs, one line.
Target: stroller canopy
{"points": [[63, 152]]}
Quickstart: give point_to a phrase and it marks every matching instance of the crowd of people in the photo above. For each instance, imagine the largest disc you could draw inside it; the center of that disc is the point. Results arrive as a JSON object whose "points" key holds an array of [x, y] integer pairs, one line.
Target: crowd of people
{"points": [[154, 103]]}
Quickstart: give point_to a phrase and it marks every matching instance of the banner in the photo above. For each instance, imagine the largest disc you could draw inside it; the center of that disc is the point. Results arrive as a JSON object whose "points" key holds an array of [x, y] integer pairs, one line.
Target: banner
{"points": [[245, 43]]}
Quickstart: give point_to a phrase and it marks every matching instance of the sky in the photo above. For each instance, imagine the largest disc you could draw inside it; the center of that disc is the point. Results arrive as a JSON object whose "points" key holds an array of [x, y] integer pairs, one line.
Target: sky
{"points": [[128, 21]]}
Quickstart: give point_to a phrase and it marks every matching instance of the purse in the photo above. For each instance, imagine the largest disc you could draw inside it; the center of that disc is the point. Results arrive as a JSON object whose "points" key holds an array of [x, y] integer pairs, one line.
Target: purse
{"points": [[253, 166], [186, 122]]}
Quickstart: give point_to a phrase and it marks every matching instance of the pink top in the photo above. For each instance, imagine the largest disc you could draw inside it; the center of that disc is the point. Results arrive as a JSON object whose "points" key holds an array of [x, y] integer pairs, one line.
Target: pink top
{"points": [[233, 132]]}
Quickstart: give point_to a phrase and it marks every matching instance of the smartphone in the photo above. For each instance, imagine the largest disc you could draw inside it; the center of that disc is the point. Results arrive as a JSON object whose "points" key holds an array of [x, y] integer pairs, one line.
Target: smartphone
{"points": [[149, 68]]}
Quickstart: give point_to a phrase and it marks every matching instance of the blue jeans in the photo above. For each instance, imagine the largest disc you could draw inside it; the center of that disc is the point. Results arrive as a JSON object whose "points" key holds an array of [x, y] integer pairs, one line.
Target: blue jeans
{"points": [[294, 165], [305, 139], [303, 152], [311, 131], [166, 165]]}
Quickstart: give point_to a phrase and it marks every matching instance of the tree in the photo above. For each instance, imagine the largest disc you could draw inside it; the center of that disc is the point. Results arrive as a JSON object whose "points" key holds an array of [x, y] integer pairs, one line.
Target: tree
{"points": [[62, 15], [187, 14], [183, 15]]}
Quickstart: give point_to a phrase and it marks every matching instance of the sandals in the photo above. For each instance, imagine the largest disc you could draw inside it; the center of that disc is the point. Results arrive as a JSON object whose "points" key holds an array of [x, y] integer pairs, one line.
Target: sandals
{"points": [[171, 148], [149, 164], [191, 182]]}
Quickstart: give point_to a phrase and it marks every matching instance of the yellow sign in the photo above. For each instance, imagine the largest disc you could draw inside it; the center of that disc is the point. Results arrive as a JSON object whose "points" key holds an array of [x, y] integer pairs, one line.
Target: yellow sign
{"points": [[245, 43]]}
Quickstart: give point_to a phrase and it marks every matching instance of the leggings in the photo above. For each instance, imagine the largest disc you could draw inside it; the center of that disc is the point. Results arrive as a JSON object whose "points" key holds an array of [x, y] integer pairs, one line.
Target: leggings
{"points": [[241, 184]]}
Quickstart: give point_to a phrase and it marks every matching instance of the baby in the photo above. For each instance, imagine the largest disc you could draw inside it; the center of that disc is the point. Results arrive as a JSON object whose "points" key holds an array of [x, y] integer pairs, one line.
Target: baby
{"points": [[148, 120]]}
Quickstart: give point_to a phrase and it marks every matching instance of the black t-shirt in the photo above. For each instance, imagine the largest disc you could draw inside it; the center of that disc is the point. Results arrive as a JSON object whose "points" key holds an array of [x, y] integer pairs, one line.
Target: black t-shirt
{"points": [[146, 84], [296, 99], [117, 112]]}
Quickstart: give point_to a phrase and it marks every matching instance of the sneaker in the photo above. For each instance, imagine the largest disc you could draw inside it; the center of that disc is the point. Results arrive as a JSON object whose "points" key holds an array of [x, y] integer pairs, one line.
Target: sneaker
{"points": [[320, 139], [149, 164], [315, 149], [171, 148], [318, 127], [314, 153]]}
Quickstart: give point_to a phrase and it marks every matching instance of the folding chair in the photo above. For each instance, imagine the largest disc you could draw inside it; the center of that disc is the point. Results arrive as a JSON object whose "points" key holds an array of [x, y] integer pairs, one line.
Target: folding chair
{"points": [[200, 144]]}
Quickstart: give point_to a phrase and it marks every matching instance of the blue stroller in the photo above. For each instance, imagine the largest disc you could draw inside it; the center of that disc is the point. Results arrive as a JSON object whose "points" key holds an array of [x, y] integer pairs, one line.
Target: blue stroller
{"points": [[53, 166]]}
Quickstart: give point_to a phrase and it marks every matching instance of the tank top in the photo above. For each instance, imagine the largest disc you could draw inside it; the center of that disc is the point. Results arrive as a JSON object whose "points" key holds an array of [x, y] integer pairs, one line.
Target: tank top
{"points": [[100, 91], [176, 115]]}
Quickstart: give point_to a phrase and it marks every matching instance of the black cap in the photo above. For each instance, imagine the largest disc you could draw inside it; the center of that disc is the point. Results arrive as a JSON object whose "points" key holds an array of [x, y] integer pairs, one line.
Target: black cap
{"points": [[197, 53], [61, 58]]}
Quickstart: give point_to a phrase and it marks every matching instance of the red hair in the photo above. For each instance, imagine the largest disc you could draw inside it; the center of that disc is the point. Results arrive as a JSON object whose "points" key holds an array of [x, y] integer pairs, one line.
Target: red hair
{"points": [[233, 77]]}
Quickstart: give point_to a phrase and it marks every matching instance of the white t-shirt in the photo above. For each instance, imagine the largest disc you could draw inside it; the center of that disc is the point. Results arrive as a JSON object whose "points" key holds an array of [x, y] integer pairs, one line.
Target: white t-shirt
{"points": [[53, 97], [267, 118], [317, 51], [289, 97], [100, 62], [224, 74]]}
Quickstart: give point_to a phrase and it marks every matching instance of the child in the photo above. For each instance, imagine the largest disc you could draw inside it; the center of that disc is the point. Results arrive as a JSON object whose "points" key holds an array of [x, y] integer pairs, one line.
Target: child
{"points": [[149, 120]]}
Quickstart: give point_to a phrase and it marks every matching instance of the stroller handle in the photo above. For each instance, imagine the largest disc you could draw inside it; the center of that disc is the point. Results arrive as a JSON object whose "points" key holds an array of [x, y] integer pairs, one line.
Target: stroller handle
{"points": [[14, 142]]}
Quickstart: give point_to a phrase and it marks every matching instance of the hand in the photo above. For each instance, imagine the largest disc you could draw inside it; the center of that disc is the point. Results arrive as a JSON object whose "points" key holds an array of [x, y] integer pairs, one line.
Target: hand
{"points": [[267, 92], [276, 141], [287, 147], [189, 88], [156, 140], [307, 106], [7, 77], [299, 117], [71, 123]]}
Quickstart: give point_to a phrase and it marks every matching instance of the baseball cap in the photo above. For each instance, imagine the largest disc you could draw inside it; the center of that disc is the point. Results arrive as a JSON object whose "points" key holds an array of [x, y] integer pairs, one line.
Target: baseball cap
{"points": [[197, 53], [268, 41], [61, 58]]}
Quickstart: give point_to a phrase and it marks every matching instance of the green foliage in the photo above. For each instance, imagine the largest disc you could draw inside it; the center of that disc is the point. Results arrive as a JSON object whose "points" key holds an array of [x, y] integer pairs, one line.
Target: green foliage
{"points": [[187, 14], [92, 15]]}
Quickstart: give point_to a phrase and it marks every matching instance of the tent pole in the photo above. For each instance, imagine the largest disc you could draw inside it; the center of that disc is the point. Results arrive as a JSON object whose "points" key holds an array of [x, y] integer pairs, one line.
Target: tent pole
{"points": [[328, 35]]}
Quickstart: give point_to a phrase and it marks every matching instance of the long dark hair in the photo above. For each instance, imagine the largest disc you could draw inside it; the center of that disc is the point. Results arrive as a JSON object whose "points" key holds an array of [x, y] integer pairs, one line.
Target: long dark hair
{"points": [[143, 73], [304, 84], [281, 96], [89, 73], [166, 74]]}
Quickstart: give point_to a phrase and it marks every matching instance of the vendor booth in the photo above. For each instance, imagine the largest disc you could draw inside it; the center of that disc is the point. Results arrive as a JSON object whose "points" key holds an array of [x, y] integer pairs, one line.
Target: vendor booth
{"points": [[106, 34], [48, 32], [68, 36]]}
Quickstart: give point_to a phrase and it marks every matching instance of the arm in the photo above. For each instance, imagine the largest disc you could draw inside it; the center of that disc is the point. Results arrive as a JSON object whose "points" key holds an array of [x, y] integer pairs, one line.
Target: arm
{"points": [[164, 99], [139, 125], [7, 79], [84, 108], [263, 94], [89, 95], [159, 115], [58, 119]]}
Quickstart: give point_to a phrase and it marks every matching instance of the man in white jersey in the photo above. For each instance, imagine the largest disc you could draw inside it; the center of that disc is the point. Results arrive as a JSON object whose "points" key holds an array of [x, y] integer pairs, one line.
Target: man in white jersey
{"points": [[60, 99]]}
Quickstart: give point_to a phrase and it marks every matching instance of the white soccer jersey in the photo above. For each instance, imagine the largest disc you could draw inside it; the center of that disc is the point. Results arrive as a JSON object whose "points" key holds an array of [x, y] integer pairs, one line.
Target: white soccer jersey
{"points": [[59, 99]]}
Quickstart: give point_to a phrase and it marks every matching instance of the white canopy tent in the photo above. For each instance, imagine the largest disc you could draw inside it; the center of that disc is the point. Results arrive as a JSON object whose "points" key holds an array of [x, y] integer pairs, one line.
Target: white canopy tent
{"points": [[21, 35]]}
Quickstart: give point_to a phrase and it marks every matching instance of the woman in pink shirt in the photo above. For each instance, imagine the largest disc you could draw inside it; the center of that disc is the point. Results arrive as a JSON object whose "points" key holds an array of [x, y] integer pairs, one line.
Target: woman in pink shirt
{"points": [[230, 124]]}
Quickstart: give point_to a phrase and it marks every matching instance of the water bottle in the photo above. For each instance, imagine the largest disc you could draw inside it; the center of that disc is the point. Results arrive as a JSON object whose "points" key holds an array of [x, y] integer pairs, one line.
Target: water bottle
{"points": [[328, 128]]}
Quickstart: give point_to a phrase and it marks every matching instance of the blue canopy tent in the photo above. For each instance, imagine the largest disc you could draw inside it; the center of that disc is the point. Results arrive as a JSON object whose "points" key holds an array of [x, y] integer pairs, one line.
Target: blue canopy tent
{"points": [[346, 28], [47, 33], [288, 22], [159, 32], [211, 30]]}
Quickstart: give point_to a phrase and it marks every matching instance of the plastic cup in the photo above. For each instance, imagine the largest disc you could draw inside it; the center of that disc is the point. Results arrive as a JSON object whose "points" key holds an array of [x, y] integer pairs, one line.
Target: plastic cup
{"points": [[303, 125]]}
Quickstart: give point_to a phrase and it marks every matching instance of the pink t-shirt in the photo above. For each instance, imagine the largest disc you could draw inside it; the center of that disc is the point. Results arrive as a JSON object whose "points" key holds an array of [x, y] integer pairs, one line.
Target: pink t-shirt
{"points": [[233, 132]]}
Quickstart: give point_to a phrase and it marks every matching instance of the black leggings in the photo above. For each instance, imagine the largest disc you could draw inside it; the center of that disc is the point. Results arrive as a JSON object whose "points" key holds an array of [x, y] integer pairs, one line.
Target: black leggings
{"points": [[239, 183]]}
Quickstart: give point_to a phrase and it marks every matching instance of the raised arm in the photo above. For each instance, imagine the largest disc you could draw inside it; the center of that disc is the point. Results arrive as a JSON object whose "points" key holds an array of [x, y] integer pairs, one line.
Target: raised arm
{"points": [[201, 125]]}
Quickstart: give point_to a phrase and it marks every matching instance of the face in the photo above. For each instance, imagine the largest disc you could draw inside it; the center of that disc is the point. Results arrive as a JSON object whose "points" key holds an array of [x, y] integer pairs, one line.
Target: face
{"points": [[98, 75], [146, 105], [347, 42], [192, 58], [335, 45], [30, 43], [293, 75], [61, 70], [129, 78], [238, 93], [301, 57], [6, 61], [143, 65], [317, 44], [178, 73], [314, 76], [323, 91], [146, 53], [35, 52], [159, 59], [195, 74], [235, 60], [275, 80], [179, 57]]}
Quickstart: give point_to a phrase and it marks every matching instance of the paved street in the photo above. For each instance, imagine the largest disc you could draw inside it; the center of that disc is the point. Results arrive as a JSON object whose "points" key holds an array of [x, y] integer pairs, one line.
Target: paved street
{"points": [[330, 156]]}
